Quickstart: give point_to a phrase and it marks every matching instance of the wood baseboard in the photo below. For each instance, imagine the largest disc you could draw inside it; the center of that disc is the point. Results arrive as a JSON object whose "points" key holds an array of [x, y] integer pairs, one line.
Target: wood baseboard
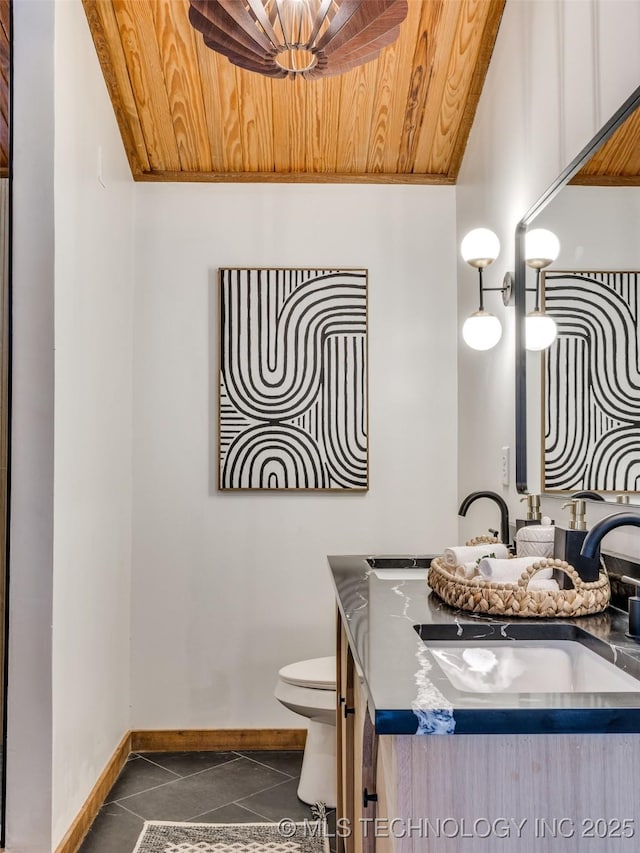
{"points": [[171, 740], [92, 805], [192, 740]]}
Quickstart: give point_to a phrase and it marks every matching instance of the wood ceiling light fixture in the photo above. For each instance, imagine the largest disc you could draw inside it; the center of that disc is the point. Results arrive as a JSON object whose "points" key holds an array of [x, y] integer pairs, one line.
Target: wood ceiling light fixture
{"points": [[298, 38]]}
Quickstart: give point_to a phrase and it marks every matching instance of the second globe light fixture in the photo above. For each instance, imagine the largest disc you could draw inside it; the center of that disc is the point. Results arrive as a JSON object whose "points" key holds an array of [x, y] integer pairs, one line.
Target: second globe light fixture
{"points": [[541, 248]]}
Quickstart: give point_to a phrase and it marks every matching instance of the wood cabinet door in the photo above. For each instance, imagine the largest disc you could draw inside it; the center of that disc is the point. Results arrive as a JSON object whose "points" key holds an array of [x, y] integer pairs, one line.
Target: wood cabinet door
{"points": [[357, 752], [345, 737]]}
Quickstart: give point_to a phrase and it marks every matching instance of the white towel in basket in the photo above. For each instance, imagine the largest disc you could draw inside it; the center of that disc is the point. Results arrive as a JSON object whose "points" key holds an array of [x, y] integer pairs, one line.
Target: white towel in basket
{"points": [[461, 554], [467, 570], [537, 584], [509, 571]]}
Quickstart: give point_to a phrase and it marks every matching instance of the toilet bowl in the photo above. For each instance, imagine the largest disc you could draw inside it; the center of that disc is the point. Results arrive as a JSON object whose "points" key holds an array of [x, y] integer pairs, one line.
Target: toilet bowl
{"points": [[308, 688]]}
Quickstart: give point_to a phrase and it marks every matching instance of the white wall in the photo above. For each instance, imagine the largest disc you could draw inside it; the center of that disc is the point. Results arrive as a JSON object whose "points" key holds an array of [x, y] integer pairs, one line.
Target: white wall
{"points": [[93, 423], [598, 226], [229, 587], [70, 530], [28, 814], [558, 72]]}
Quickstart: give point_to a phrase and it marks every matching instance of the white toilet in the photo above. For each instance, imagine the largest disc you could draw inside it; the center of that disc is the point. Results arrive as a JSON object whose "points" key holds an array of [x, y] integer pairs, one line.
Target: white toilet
{"points": [[308, 687]]}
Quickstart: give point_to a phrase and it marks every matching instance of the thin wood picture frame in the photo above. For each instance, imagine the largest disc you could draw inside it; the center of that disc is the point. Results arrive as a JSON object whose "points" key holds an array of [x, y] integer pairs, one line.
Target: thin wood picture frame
{"points": [[591, 382], [293, 379]]}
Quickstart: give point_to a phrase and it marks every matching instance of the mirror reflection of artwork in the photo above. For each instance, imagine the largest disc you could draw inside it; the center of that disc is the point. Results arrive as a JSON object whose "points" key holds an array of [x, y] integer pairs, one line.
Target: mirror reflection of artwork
{"points": [[592, 382], [293, 379]]}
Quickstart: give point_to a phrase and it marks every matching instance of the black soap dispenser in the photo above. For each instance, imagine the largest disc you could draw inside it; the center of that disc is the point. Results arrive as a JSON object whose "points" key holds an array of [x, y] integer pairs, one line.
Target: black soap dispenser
{"points": [[567, 542], [534, 516], [634, 608]]}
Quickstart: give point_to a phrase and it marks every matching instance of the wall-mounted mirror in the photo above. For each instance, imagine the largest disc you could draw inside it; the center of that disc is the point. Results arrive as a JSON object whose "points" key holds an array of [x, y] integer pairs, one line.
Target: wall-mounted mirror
{"points": [[594, 209]]}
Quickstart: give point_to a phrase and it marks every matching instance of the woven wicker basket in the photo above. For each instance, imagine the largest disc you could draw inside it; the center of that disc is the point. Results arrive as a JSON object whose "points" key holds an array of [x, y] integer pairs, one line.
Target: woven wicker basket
{"points": [[515, 599]]}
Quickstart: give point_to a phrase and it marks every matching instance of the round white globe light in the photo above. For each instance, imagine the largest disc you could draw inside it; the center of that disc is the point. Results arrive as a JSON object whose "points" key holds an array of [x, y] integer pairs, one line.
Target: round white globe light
{"points": [[480, 247], [540, 331], [541, 247], [481, 330]]}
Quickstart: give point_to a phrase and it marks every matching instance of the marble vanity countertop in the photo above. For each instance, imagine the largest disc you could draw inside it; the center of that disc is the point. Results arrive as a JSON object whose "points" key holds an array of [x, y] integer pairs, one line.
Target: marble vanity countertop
{"points": [[383, 599]]}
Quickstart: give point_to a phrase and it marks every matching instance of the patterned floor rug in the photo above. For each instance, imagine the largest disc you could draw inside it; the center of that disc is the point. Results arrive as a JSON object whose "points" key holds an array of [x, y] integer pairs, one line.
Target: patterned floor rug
{"points": [[283, 837]]}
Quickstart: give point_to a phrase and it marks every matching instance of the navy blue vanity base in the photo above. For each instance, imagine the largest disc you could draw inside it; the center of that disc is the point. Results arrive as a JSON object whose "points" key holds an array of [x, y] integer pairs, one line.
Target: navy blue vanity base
{"points": [[430, 669]]}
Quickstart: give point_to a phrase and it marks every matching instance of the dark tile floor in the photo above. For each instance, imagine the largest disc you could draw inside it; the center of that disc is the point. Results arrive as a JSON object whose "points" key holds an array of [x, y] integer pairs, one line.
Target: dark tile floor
{"points": [[201, 787]]}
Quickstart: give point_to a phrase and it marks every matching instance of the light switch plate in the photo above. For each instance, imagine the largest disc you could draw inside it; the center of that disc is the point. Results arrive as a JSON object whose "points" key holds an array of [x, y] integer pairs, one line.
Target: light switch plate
{"points": [[505, 466]]}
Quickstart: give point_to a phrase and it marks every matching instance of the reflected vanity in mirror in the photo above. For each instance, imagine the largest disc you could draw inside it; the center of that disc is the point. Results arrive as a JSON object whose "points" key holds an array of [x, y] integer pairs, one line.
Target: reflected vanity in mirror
{"points": [[594, 209]]}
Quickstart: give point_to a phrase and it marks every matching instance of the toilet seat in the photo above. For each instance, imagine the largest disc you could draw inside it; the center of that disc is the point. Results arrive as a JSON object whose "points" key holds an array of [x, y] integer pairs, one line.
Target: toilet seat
{"points": [[316, 674]]}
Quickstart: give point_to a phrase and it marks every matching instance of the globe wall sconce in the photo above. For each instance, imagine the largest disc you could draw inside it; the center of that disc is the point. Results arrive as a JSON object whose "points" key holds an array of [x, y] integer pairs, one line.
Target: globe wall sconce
{"points": [[480, 248]]}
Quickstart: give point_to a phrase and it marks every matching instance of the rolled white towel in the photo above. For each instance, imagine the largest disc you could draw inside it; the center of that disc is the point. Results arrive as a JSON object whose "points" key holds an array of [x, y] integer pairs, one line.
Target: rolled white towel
{"points": [[467, 570], [508, 571], [538, 584], [459, 555]]}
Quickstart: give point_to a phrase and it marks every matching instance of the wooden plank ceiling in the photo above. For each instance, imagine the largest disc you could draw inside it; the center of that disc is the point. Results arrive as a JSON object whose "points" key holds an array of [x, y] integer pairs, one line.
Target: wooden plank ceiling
{"points": [[186, 113], [617, 162]]}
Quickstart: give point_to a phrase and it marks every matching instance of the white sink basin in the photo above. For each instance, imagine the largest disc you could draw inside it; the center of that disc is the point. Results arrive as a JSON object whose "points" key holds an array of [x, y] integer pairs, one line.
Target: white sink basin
{"points": [[528, 666], [401, 574]]}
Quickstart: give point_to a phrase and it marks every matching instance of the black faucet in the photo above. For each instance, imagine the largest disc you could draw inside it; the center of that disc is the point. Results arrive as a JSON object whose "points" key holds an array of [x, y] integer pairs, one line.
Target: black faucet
{"points": [[504, 510], [601, 528]]}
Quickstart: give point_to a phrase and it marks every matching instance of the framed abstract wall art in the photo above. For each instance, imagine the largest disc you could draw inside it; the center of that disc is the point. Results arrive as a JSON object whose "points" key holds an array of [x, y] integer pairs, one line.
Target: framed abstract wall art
{"points": [[293, 379], [591, 382]]}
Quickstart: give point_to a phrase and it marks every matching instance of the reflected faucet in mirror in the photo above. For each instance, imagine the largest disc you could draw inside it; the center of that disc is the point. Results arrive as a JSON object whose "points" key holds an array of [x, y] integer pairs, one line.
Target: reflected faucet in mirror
{"points": [[591, 496], [504, 510]]}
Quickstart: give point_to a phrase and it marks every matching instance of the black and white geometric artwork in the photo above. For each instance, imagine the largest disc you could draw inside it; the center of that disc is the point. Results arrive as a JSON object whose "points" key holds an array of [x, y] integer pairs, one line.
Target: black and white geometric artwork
{"points": [[293, 379], [592, 382]]}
